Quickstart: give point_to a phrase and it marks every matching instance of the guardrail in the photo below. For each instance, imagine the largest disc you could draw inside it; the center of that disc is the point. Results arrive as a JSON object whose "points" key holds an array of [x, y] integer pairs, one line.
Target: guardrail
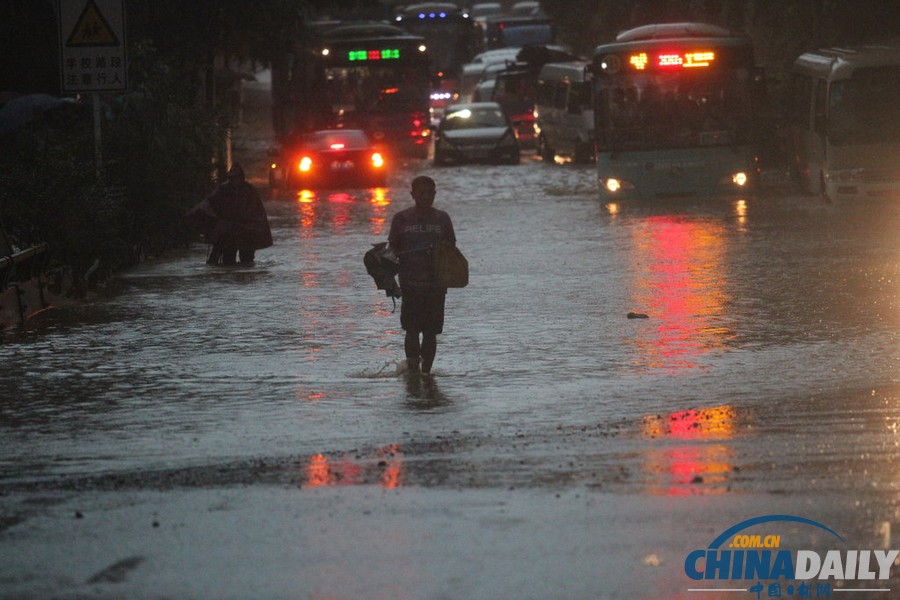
{"points": [[22, 288]]}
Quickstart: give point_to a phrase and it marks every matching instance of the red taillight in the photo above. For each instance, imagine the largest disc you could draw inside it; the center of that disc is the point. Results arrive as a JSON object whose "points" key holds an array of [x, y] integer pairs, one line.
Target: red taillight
{"points": [[305, 165], [420, 127], [377, 160]]}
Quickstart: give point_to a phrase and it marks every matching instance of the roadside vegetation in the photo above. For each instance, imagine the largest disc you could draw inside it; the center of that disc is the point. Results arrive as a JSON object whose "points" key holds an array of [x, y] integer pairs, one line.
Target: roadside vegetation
{"points": [[162, 143]]}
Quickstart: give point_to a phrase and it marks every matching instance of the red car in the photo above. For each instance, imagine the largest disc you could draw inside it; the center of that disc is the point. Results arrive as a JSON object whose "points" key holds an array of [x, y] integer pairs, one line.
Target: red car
{"points": [[330, 158]]}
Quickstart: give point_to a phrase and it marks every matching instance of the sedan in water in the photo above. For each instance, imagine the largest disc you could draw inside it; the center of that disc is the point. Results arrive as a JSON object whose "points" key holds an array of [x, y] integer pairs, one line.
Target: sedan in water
{"points": [[475, 132], [330, 158]]}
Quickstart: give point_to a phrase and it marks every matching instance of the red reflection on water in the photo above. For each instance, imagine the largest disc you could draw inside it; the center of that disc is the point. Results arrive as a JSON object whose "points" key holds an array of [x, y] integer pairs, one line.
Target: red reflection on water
{"points": [[716, 422], [689, 469], [308, 208], [379, 202], [320, 471], [679, 282], [393, 467], [338, 209]]}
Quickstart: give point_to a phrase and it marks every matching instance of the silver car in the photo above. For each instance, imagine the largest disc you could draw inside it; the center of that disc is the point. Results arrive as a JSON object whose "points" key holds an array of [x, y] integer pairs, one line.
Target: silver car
{"points": [[475, 132]]}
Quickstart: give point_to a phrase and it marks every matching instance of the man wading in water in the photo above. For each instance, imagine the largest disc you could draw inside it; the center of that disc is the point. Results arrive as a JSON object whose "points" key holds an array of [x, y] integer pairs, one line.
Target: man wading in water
{"points": [[415, 232]]}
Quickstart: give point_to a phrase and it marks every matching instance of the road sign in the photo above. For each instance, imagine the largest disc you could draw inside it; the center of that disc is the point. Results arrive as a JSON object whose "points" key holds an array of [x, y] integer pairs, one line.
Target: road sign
{"points": [[92, 45]]}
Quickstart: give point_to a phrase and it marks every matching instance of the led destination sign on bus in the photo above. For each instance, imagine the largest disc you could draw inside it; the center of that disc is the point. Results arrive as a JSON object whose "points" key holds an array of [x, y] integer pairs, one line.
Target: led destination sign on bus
{"points": [[672, 60], [365, 55]]}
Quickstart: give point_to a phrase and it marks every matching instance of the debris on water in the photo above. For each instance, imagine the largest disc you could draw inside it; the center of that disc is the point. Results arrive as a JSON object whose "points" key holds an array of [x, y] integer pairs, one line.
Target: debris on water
{"points": [[652, 560], [118, 572], [637, 315]]}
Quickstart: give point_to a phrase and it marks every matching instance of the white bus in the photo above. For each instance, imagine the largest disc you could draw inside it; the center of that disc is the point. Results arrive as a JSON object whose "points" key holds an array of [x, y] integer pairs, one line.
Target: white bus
{"points": [[674, 106], [564, 112], [845, 122]]}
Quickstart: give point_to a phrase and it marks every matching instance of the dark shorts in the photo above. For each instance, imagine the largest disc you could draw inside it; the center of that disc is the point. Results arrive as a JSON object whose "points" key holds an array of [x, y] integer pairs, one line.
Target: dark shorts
{"points": [[422, 309]]}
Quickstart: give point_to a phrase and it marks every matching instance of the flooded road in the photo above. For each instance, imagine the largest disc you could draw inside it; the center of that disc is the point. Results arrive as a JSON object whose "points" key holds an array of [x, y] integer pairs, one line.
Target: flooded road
{"points": [[765, 378]]}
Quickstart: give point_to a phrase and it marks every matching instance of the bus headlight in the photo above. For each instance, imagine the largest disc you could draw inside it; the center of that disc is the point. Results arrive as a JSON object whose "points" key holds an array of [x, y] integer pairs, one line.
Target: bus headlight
{"points": [[614, 185], [740, 179]]}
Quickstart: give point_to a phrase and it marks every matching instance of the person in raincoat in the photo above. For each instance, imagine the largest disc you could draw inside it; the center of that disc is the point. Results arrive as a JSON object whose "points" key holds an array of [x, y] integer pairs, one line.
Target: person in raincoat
{"points": [[233, 219]]}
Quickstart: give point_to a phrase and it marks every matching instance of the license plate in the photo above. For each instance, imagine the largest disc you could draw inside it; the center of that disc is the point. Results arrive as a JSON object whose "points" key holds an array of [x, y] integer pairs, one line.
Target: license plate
{"points": [[342, 165]]}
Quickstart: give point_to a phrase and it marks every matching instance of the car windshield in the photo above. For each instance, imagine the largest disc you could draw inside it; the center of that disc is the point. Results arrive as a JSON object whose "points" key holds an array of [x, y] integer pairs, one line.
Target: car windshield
{"points": [[862, 110], [337, 140], [470, 117]]}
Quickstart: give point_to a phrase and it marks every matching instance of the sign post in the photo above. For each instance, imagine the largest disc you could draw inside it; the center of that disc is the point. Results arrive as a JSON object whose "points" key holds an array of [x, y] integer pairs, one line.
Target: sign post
{"points": [[93, 53]]}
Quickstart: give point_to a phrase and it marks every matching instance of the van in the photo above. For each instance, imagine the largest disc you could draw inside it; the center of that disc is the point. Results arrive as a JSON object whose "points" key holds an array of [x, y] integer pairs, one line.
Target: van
{"points": [[564, 112], [845, 122], [515, 89]]}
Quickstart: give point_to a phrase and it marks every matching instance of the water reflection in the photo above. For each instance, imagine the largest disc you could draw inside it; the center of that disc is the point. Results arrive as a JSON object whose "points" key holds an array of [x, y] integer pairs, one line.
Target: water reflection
{"points": [[740, 211], [423, 392], [678, 264], [341, 210], [380, 201], [699, 467], [322, 471]]}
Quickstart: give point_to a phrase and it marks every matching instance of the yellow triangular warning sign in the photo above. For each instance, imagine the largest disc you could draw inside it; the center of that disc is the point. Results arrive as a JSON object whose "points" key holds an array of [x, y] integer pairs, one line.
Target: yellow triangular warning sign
{"points": [[92, 29]]}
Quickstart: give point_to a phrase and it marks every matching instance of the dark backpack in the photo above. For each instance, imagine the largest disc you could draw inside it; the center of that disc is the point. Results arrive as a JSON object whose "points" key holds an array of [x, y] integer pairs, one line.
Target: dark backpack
{"points": [[382, 265]]}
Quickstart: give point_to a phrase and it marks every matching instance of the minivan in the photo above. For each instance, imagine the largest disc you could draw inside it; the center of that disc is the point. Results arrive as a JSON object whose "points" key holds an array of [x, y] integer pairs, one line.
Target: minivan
{"points": [[564, 112]]}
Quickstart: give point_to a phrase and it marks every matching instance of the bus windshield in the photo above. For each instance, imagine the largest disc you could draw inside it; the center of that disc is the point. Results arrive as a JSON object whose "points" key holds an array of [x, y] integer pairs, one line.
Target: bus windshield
{"points": [[663, 110], [450, 41], [862, 110], [376, 88]]}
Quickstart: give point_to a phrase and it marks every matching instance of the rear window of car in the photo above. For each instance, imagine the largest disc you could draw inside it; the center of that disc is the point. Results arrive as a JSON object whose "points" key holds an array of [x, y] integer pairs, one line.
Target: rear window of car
{"points": [[467, 117], [328, 140]]}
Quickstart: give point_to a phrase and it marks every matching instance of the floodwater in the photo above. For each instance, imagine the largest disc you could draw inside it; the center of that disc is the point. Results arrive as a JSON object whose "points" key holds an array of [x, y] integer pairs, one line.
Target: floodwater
{"points": [[768, 363]]}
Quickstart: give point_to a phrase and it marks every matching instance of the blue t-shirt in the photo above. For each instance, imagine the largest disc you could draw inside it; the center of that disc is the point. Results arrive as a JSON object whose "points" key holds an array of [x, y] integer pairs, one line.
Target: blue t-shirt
{"points": [[413, 235]]}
